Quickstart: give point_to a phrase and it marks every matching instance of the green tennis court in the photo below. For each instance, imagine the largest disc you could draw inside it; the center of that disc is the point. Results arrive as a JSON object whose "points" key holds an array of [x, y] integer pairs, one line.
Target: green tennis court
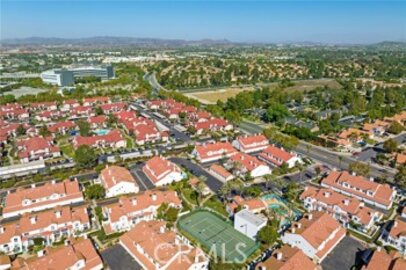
{"points": [[218, 236]]}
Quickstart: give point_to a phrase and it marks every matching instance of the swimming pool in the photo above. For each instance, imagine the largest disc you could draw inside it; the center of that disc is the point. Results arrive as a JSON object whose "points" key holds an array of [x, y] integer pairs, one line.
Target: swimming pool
{"points": [[101, 132]]}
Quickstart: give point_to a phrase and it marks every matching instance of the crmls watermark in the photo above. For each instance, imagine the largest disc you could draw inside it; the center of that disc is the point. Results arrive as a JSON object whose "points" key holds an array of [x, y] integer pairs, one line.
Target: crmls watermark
{"points": [[218, 253]]}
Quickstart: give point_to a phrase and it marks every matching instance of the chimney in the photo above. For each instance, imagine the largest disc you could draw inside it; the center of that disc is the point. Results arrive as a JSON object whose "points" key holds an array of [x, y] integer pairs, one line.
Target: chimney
{"points": [[346, 202], [162, 229], [114, 179], [353, 174], [67, 242], [279, 256], [53, 182], [310, 216], [32, 185], [41, 253], [1, 229], [327, 194], [154, 197], [299, 225], [395, 224], [293, 229], [371, 179], [33, 220], [58, 213], [134, 201]]}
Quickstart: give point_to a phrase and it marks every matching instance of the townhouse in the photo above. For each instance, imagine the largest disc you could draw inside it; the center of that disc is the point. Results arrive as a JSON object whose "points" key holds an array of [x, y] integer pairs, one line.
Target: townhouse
{"points": [[75, 254], [161, 171], [68, 105], [37, 198], [285, 258], [220, 173], [248, 166], [381, 260], [250, 144], [14, 111], [143, 129], [368, 191], [113, 139], [82, 111], [316, 234], [44, 106], [50, 225], [214, 124], [98, 121], [155, 247], [37, 148], [113, 107], [394, 235], [347, 210], [62, 127], [213, 151], [128, 211], [47, 116], [276, 156], [117, 180], [92, 101]]}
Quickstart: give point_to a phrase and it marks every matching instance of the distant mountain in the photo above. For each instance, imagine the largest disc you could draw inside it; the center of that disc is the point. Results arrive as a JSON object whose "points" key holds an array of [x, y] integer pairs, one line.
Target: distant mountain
{"points": [[108, 40]]}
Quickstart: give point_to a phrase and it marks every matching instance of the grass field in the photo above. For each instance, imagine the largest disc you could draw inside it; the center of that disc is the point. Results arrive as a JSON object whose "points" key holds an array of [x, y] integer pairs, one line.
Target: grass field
{"points": [[212, 96], [217, 236]]}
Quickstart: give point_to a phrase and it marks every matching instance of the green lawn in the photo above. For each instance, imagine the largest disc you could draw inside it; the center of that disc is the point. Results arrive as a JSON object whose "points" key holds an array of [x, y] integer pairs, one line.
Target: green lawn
{"points": [[216, 205], [68, 150]]}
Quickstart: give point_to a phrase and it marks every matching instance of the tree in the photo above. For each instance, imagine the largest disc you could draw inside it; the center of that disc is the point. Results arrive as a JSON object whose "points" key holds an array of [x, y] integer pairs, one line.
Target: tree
{"points": [[268, 235], [395, 128], [292, 191], [94, 192], [44, 132], [85, 156], [98, 111], [84, 128], [400, 177], [276, 112], [21, 130], [390, 146], [359, 168]]}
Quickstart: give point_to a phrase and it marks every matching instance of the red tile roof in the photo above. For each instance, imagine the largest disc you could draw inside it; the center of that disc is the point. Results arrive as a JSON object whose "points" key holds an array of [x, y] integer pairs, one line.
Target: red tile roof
{"points": [[158, 168]]}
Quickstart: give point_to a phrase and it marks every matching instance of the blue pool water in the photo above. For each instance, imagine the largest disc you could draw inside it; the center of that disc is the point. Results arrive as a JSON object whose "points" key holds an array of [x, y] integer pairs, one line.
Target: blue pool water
{"points": [[101, 132]]}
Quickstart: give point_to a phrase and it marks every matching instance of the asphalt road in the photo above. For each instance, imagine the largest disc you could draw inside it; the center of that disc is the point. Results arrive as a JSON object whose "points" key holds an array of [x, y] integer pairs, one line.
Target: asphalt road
{"points": [[332, 160], [178, 135], [214, 184], [327, 157]]}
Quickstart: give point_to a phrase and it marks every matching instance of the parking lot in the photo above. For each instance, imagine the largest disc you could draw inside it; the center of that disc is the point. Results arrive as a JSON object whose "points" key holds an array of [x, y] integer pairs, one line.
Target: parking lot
{"points": [[116, 258], [346, 254]]}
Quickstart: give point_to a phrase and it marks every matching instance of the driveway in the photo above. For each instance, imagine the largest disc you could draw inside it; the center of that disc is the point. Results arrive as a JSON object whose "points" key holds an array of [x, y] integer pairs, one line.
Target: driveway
{"points": [[142, 180], [214, 184], [116, 258], [346, 254]]}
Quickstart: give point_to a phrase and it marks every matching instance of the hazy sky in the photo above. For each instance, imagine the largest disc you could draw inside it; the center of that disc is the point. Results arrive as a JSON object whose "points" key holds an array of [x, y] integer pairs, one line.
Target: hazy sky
{"points": [[247, 21]]}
